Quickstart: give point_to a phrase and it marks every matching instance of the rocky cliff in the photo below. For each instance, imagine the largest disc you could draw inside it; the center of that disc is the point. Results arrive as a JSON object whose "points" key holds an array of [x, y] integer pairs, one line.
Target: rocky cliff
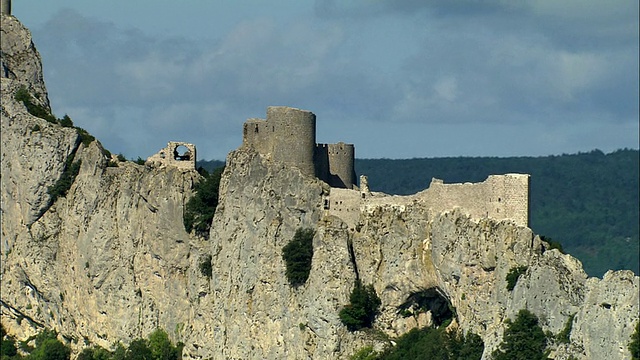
{"points": [[111, 261]]}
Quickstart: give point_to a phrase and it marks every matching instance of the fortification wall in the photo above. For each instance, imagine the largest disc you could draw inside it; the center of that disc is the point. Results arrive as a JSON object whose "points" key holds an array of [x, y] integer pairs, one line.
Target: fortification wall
{"points": [[498, 197], [345, 204], [341, 165], [293, 140]]}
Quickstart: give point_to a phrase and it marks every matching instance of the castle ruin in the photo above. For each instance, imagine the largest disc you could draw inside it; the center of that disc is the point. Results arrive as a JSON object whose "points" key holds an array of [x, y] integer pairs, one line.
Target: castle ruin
{"points": [[288, 136], [177, 154], [499, 197]]}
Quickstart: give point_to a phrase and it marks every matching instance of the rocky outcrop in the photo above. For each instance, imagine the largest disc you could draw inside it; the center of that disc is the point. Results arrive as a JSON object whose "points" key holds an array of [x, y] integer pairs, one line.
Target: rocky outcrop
{"points": [[20, 61], [110, 261]]}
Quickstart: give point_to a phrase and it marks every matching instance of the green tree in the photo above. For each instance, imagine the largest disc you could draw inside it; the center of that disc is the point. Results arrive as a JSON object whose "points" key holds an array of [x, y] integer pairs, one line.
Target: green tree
{"points": [[7, 345], [514, 275], [634, 345], [435, 343], [523, 339], [467, 347], [94, 353], [297, 255], [161, 347], [48, 347], [363, 308], [66, 121], [199, 210], [139, 350], [120, 352]]}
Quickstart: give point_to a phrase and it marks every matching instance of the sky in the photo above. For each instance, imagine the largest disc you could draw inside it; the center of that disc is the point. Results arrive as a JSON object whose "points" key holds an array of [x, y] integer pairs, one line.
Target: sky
{"points": [[399, 79]]}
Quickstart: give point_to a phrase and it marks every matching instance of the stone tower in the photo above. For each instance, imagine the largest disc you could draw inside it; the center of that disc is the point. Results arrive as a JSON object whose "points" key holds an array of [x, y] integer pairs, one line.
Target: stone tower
{"points": [[294, 137], [341, 165], [5, 7], [288, 136]]}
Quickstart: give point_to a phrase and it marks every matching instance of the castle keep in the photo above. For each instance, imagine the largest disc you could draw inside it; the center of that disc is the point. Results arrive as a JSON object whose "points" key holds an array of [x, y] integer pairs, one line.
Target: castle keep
{"points": [[288, 135]]}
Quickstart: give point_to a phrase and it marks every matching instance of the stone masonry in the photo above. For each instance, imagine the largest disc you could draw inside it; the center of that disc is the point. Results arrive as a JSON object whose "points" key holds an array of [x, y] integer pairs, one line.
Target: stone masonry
{"points": [[177, 154], [288, 136], [499, 197]]}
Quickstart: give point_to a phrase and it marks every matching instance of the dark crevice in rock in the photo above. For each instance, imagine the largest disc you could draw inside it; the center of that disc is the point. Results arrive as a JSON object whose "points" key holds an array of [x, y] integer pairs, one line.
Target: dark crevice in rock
{"points": [[433, 300], [20, 315], [352, 256]]}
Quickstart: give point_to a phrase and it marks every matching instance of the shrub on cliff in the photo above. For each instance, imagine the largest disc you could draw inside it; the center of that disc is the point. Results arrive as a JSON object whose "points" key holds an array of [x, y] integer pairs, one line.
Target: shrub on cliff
{"points": [[199, 210], [634, 345], [34, 109], [156, 347], [514, 275], [430, 343], [523, 339], [363, 308], [8, 347], [62, 186], [205, 266], [297, 255], [48, 347]]}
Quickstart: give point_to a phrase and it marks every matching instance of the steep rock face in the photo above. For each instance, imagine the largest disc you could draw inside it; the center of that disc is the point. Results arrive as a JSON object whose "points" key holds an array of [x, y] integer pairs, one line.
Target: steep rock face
{"points": [[110, 261], [33, 151], [250, 311], [20, 61]]}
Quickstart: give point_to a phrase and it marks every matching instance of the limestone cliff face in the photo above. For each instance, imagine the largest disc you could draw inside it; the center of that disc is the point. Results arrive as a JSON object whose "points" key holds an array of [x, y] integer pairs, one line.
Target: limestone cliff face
{"points": [[108, 261], [111, 261]]}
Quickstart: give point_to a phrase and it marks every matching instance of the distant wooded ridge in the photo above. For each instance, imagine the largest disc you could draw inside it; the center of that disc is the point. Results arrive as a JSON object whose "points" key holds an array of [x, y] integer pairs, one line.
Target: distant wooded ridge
{"points": [[589, 202]]}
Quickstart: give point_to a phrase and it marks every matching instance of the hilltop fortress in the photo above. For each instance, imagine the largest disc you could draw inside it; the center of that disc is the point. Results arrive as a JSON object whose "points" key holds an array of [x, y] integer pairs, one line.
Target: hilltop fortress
{"points": [[288, 136]]}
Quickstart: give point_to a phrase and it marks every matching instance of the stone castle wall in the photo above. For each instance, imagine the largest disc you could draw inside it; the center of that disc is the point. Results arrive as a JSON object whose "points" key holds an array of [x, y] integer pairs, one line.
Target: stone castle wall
{"points": [[288, 135], [499, 197]]}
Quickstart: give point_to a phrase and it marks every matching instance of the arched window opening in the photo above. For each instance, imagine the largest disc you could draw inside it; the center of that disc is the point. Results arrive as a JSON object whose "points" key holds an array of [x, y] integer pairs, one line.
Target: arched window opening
{"points": [[181, 153]]}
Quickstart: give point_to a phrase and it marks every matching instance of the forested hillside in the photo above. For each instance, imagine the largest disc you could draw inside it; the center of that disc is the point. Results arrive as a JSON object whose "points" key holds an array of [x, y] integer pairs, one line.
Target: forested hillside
{"points": [[588, 201]]}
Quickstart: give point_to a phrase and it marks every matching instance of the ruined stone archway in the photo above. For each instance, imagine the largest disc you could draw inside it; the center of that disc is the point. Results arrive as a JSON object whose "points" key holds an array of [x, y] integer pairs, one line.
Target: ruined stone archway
{"points": [[177, 154], [182, 153]]}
